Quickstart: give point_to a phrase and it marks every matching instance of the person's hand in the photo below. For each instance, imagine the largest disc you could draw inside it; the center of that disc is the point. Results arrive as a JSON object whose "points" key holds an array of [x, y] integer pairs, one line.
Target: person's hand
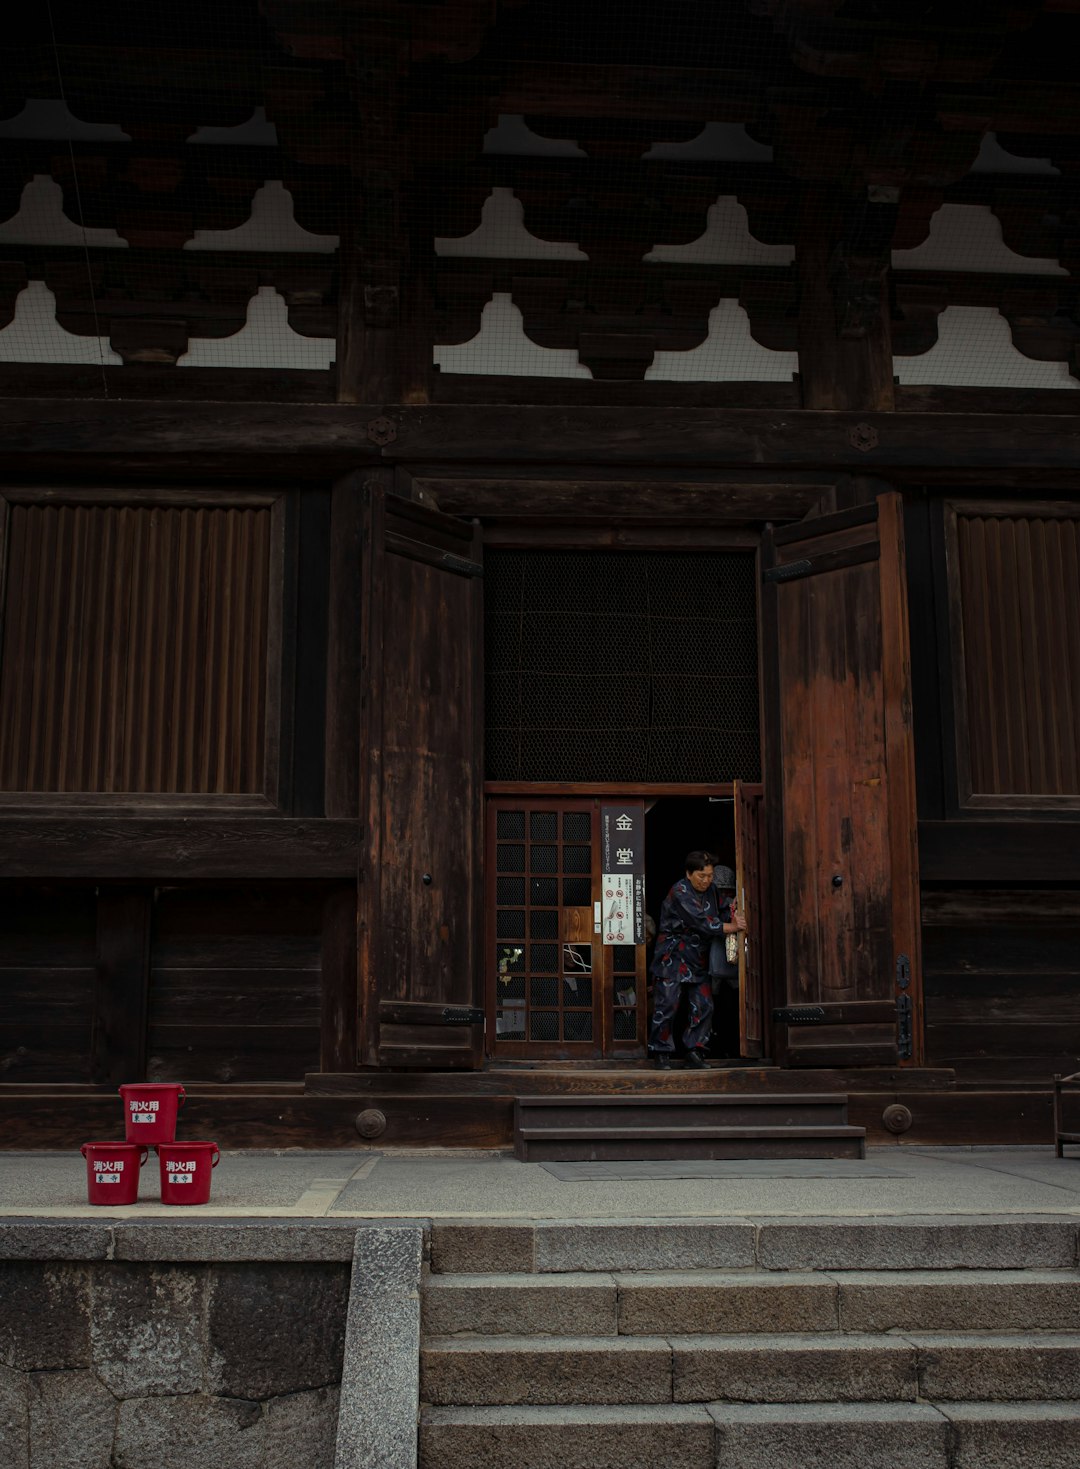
{"points": [[739, 920]]}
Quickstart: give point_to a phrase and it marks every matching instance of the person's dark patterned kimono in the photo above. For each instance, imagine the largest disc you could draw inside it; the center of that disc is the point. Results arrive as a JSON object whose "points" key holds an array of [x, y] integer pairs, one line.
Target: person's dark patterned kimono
{"points": [[689, 921]]}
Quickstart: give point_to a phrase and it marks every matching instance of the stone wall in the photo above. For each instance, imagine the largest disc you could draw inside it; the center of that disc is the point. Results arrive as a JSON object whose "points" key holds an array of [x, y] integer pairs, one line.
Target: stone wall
{"points": [[171, 1364]]}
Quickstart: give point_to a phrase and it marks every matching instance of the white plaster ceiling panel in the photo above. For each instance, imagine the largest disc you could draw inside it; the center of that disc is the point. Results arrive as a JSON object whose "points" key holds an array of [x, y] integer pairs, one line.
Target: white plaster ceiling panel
{"points": [[35, 335], [727, 241], [975, 349], [40, 220], [271, 226], [728, 354], [994, 159], [50, 118], [718, 142], [501, 235], [256, 132], [968, 237], [265, 340], [512, 135], [501, 349]]}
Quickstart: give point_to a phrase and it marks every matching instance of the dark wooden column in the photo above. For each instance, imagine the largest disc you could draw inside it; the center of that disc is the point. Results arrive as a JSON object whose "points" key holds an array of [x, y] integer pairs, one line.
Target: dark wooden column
{"points": [[845, 333]]}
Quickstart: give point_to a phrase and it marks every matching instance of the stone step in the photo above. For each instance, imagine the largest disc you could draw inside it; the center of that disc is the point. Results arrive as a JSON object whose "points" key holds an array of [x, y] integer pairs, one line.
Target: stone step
{"points": [[713, 1109], [494, 1371], [882, 1243], [596, 1303], [756, 1436], [607, 1143]]}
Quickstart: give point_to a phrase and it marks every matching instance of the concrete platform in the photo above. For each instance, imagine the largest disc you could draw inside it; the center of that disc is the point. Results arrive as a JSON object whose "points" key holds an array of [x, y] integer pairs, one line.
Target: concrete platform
{"points": [[445, 1184]]}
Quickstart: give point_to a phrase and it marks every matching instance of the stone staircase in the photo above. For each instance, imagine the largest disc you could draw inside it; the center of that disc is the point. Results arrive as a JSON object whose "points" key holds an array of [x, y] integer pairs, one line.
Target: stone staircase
{"points": [[605, 1128], [807, 1344]]}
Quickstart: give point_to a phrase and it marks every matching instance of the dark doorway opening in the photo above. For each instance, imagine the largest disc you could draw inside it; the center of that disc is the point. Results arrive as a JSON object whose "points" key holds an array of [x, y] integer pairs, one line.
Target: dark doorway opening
{"points": [[674, 826]]}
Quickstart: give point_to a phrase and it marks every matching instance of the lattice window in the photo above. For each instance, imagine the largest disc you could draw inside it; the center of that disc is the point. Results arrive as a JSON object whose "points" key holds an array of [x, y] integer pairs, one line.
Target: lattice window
{"points": [[621, 666]]}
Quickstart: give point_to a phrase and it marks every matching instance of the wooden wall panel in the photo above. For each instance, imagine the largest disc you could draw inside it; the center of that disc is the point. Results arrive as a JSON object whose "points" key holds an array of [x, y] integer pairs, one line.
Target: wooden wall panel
{"points": [[1015, 612], [235, 984], [1002, 983], [47, 981], [135, 648]]}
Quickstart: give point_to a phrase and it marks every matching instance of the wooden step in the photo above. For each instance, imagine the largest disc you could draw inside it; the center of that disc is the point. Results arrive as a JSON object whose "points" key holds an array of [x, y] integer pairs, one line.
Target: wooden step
{"points": [[608, 1128]]}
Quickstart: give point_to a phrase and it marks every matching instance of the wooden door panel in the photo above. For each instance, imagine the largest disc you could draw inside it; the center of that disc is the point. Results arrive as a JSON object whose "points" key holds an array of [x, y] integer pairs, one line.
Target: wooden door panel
{"points": [[849, 863], [422, 782], [750, 898]]}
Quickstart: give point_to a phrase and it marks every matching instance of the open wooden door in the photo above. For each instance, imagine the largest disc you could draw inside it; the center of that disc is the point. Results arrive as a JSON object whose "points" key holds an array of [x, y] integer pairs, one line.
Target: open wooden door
{"points": [[844, 763], [421, 787], [749, 893]]}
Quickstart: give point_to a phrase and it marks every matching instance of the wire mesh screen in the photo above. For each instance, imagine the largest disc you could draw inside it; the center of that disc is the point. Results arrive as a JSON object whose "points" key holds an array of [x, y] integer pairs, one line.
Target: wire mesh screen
{"points": [[601, 192], [603, 666]]}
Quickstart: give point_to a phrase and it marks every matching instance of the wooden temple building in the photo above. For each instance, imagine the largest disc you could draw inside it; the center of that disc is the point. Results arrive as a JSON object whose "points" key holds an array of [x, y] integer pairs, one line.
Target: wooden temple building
{"points": [[456, 452]]}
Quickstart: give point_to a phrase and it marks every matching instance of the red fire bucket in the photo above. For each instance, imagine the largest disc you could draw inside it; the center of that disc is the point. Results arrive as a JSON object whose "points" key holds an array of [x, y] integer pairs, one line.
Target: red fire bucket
{"points": [[112, 1171], [150, 1109], [185, 1171]]}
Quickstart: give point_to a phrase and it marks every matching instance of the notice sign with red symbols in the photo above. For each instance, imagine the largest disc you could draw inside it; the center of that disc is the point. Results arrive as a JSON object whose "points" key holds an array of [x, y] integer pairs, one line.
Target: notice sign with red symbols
{"points": [[622, 905]]}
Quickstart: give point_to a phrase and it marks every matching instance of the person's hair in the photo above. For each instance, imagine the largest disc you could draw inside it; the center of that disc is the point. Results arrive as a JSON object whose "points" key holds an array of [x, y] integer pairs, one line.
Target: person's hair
{"points": [[695, 861]]}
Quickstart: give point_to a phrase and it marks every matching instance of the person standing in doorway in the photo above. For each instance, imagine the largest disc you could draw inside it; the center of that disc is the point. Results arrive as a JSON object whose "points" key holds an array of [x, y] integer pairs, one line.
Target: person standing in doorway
{"points": [[689, 921]]}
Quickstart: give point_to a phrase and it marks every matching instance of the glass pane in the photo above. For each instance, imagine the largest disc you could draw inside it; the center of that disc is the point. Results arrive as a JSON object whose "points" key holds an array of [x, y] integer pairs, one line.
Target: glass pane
{"points": [[544, 1025], [577, 1025], [625, 1028], [544, 826], [577, 892], [510, 923], [576, 826], [544, 959], [544, 991], [510, 825], [624, 958], [510, 859], [543, 859], [577, 958], [544, 892], [510, 1024], [544, 924], [576, 991], [576, 859], [510, 892], [509, 959]]}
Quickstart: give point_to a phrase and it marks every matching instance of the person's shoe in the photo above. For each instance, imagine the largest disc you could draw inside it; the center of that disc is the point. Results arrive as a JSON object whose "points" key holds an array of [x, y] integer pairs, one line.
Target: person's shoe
{"points": [[696, 1060], [661, 1060]]}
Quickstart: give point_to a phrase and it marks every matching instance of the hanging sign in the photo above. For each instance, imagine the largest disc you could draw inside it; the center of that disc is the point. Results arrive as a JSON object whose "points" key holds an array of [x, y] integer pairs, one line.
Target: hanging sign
{"points": [[622, 845]]}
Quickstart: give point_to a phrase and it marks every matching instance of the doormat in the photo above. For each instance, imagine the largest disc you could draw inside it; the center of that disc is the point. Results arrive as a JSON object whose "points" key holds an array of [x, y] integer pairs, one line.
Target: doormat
{"points": [[619, 1172]]}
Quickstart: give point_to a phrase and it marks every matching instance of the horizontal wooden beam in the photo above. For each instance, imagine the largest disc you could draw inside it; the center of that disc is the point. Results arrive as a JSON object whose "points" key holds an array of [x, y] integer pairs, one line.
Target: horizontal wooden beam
{"points": [[163, 848], [96, 431], [1005, 851]]}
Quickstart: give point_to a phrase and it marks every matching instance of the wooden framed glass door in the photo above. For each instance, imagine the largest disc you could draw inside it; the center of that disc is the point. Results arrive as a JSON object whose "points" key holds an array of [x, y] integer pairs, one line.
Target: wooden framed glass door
{"points": [[554, 990]]}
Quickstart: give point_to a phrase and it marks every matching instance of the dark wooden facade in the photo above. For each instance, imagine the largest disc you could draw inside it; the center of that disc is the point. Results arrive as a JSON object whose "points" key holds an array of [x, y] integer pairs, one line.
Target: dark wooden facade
{"points": [[246, 836]]}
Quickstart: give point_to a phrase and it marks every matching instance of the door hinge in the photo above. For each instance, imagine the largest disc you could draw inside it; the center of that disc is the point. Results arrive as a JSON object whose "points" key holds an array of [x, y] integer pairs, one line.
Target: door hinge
{"points": [[799, 1015], [904, 1033], [462, 1015], [790, 572]]}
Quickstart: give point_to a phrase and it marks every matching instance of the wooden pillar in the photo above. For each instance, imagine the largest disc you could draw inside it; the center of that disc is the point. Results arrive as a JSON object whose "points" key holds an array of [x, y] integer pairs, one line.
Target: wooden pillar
{"points": [[845, 332]]}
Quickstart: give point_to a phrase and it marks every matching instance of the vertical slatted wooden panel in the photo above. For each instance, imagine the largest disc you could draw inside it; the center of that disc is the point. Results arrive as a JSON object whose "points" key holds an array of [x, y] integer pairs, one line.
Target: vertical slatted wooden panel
{"points": [[1017, 613], [135, 648]]}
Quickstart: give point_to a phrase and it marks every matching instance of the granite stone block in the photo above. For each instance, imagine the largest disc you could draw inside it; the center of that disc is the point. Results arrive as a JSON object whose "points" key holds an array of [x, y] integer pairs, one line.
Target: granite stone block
{"points": [[830, 1436], [993, 1368], [301, 1430], [793, 1369], [960, 1300], [1014, 1435], [275, 1328], [72, 1421], [189, 1432], [380, 1389], [14, 1419], [642, 1244], [519, 1305], [505, 1371], [481, 1248], [917, 1243], [44, 1315], [47, 1239], [241, 1239], [630, 1437], [147, 1328], [716, 1301]]}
